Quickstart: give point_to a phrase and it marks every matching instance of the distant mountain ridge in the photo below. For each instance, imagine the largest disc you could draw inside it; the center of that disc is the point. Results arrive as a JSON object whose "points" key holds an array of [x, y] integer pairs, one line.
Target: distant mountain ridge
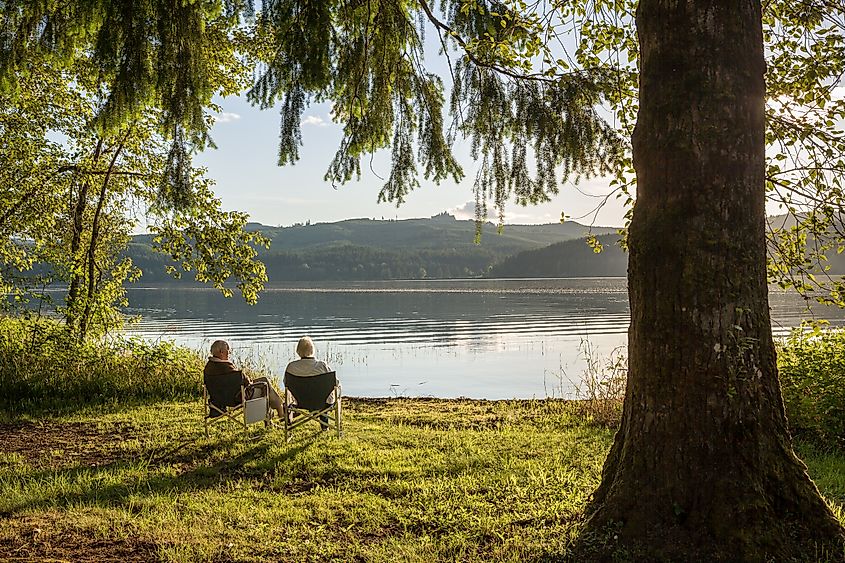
{"points": [[368, 249], [440, 231], [568, 259]]}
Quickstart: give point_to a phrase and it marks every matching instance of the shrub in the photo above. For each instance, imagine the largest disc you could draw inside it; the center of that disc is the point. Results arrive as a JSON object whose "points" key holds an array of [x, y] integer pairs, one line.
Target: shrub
{"points": [[41, 367], [812, 378], [601, 389]]}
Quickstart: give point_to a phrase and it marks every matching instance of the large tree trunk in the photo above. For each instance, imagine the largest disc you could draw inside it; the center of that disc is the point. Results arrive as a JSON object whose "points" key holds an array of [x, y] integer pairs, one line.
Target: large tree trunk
{"points": [[702, 467]]}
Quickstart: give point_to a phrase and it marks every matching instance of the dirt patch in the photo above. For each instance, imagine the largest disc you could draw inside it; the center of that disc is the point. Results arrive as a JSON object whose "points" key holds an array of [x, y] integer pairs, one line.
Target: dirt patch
{"points": [[65, 444], [33, 544]]}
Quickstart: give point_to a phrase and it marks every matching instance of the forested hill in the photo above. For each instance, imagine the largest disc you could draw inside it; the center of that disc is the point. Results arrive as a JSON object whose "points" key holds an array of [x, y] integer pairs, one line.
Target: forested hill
{"points": [[572, 258], [366, 249], [437, 233]]}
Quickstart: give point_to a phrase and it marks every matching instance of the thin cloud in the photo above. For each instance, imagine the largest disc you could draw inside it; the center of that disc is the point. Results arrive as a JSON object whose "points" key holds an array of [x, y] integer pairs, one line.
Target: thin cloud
{"points": [[226, 117], [315, 120], [465, 211], [516, 215]]}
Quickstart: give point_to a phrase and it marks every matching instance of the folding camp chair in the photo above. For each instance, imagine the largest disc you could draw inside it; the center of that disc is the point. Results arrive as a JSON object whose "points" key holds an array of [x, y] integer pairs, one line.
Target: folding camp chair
{"points": [[225, 398], [311, 401]]}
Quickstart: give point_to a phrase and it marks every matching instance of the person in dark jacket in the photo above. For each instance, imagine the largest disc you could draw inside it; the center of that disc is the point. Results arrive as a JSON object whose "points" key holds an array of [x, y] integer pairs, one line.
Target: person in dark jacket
{"points": [[219, 364]]}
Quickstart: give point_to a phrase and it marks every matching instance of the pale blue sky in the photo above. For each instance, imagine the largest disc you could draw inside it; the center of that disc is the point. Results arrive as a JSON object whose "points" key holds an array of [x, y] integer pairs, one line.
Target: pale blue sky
{"points": [[248, 178]]}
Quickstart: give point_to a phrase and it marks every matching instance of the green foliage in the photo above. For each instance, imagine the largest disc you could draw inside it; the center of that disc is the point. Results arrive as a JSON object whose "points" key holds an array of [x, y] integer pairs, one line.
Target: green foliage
{"points": [[68, 207], [172, 56], [42, 367], [805, 56], [213, 243], [805, 171], [812, 377]]}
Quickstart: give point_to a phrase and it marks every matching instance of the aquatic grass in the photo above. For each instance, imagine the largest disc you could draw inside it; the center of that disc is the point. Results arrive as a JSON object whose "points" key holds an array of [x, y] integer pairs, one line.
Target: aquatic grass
{"points": [[600, 387]]}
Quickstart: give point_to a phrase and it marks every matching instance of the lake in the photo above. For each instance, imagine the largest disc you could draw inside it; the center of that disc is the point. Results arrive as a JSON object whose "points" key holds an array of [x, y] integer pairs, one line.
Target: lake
{"points": [[493, 339]]}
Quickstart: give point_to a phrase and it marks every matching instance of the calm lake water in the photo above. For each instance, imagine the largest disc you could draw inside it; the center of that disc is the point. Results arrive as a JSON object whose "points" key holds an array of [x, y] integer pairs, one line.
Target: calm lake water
{"points": [[491, 339]]}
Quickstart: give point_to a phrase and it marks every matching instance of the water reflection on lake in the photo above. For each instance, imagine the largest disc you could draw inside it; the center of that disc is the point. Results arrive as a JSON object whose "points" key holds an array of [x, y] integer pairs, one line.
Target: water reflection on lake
{"points": [[476, 338]]}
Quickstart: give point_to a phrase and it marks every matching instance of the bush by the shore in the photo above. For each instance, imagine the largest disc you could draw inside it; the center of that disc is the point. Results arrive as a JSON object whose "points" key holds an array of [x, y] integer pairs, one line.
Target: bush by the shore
{"points": [[41, 366], [812, 377]]}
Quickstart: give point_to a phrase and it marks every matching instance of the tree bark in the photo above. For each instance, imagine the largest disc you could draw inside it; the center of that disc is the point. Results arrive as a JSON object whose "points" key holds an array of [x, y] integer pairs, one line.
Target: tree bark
{"points": [[85, 320], [72, 301], [702, 467]]}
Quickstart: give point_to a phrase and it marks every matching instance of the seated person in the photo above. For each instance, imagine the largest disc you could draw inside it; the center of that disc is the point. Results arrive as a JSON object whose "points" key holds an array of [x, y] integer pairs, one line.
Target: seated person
{"points": [[307, 366], [219, 364]]}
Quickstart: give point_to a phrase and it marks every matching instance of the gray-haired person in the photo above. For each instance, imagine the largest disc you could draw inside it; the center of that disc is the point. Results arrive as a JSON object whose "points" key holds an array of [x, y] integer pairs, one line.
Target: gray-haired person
{"points": [[220, 364], [306, 366]]}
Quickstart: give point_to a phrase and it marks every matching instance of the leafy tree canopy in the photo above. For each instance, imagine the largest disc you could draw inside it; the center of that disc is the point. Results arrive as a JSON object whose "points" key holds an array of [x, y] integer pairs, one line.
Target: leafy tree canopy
{"points": [[365, 57], [71, 195], [526, 81]]}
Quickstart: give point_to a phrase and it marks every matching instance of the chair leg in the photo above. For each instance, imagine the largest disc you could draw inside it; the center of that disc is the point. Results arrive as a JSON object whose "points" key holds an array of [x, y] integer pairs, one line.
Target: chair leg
{"points": [[286, 415], [205, 412], [337, 415]]}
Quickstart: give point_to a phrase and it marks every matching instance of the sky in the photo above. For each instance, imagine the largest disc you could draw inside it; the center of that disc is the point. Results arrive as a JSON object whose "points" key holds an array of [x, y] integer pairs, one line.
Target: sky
{"points": [[248, 178], [244, 167]]}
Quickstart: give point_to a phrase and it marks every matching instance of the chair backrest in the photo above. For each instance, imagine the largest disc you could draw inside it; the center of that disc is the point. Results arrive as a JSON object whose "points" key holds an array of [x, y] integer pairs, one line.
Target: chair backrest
{"points": [[311, 391], [224, 389]]}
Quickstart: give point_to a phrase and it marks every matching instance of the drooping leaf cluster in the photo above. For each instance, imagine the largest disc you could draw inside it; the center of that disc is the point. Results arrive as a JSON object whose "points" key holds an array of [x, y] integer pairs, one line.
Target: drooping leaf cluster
{"points": [[806, 143], [164, 54], [367, 59], [216, 248]]}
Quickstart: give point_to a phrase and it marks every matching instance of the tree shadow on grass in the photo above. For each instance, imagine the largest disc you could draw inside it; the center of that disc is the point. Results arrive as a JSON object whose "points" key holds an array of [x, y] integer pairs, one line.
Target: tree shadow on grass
{"points": [[196, 475]]}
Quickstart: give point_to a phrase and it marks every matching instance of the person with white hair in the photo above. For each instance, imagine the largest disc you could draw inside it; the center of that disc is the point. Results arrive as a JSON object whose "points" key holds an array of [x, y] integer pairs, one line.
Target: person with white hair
{"points": [[307, 366], [220, 364]]}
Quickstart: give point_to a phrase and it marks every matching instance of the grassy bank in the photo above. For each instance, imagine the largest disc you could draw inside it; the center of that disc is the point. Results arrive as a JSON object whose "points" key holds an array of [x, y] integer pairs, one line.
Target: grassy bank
{"points": [[412, 480]]}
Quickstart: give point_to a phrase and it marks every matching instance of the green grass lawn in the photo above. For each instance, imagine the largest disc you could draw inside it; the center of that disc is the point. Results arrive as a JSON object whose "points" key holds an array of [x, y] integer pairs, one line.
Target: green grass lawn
{"points": [[411, 480]]}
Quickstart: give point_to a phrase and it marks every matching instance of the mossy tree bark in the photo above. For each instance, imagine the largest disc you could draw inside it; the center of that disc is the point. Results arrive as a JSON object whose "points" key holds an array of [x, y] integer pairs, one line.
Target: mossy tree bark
{"points": [[702, 467]]}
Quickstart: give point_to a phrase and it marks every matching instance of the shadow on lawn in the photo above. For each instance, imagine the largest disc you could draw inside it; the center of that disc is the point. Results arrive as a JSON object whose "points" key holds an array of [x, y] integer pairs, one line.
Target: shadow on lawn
{"points": [[195, 474]]}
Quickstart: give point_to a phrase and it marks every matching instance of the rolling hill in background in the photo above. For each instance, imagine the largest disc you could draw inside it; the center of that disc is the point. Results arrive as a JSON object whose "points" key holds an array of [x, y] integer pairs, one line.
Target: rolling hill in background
{"points": [[569, 259], [365, 249], [441, 247]]}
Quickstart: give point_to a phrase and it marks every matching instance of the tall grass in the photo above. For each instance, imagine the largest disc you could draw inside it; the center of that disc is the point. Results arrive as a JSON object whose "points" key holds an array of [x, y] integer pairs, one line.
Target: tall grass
{"points": [[41, 367], [601, 387], [812, 376]]}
